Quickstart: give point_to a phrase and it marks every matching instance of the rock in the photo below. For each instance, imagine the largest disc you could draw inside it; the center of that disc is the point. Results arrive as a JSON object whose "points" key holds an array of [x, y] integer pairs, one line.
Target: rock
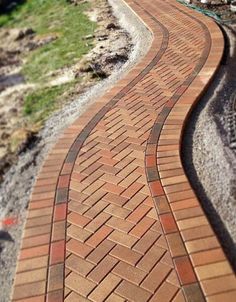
{"points": [[13, 111], [88, 37], [24, 32], [102, 37], [76, 2], [116, 58], [39, 41], [5, 136], [29, 31], [112, 26]]}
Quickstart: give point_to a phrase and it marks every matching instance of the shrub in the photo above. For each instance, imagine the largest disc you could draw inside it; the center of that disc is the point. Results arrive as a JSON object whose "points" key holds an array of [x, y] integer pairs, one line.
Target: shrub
{"points": [[8, 5]]}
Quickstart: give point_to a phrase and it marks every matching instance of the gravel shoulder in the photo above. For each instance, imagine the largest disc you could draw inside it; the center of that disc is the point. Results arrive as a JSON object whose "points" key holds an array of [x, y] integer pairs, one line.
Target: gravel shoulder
{"points": [[207, 153], [18, 182]]}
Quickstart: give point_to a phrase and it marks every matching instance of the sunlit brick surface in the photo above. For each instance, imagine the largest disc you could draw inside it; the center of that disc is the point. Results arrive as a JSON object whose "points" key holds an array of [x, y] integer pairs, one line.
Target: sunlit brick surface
{"points": [[113, 216]]}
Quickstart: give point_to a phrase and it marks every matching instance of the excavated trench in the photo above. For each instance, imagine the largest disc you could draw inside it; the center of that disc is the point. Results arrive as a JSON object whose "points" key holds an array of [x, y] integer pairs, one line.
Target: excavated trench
{"points": [[209, 149]]}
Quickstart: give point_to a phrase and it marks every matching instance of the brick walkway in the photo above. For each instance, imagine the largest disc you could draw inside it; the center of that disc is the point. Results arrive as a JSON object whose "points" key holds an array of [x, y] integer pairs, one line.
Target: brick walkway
{"points": [[113, 216]]}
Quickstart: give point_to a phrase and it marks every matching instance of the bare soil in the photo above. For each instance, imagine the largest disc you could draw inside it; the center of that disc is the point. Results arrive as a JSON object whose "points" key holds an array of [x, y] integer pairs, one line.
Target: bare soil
{"points": [[112, 45]]}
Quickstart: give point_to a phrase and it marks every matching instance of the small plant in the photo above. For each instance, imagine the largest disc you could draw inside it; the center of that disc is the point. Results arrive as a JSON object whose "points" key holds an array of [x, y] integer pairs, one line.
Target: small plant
{"points": [[40, 103]]}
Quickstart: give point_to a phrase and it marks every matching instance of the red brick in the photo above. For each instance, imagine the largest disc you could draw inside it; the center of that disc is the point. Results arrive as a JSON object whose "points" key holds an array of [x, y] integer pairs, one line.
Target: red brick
{"points": [[156, 188], [129, 273], [141, 228], [132, 190], [132, 292], [168, 223], [102, 269], [78, 219], [60, 212], [138, 213], [57, 252], [78, 248], [126, 254], [99, 236], [184, 270], [156, 277], [63, 181]]}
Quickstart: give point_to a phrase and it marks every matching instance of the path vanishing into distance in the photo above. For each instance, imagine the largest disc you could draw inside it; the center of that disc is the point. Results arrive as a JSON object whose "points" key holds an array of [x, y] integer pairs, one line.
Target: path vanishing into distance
{"points": [[112, 216]]}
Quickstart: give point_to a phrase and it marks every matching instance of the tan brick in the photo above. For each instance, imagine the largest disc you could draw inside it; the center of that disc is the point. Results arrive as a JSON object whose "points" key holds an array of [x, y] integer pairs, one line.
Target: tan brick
{"points": [[105, 288], [179, 297], [79, 265], [29, 290], [31, 264], [78, 233], [122, 238], [102, 269], [151, 258], [58, 230], [79, 284], [146, 242], [120, 224], [156, 277], [129, 273], [165, 293], [99, 236], [132, 292], [96, 209], [117, 211], [135, 201], [31, 276], [78, 248], [142, 226], [125, 254], [101, 251], [213, 270], [97, 222], [115, 298]]}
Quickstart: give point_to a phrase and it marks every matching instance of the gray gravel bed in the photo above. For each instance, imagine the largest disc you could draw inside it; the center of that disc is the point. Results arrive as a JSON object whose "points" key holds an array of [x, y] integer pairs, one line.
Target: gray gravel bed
{"points": [[209, 161]]}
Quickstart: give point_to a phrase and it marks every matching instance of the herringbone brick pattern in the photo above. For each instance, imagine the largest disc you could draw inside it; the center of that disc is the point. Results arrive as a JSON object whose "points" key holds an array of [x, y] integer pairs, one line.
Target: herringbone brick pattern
{"points": [[119, 218], [113, 217]]}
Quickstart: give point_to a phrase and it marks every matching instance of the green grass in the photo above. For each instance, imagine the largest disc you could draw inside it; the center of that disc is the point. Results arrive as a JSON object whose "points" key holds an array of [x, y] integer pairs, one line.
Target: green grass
{"points": [[70, 25], [39, 104], [57, 17]]}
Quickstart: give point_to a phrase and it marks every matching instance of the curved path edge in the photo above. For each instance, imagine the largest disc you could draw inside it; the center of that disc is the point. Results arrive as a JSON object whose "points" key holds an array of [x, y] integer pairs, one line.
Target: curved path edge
{"points": [[204, 273]]}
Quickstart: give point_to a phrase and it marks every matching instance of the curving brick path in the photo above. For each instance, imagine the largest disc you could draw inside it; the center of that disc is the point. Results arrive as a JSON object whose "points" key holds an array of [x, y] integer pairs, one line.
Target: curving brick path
{"points": [[113, 216]]}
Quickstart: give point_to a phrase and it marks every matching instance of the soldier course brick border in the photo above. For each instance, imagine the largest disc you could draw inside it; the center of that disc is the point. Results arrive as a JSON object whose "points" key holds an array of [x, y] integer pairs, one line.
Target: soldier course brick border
{"points": [[203, 270]]}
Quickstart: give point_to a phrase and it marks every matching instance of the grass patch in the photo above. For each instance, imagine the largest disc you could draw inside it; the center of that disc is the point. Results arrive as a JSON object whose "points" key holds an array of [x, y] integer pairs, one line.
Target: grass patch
{"points": [[69, 24], [39, 104], [55, 17]]}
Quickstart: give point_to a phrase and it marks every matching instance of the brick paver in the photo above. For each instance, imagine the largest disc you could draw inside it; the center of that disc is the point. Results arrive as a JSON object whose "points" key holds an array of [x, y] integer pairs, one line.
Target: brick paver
{"points": [[113, 216]]}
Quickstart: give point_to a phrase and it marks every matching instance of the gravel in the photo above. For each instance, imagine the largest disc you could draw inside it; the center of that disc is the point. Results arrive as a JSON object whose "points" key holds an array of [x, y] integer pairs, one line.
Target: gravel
{"points": [[17, 186], [209, 161]]}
